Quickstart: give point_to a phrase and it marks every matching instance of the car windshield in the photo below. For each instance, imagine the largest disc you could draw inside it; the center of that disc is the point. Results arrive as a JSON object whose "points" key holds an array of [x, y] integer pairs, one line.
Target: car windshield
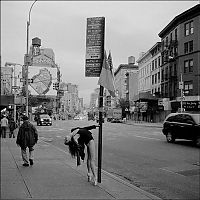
{"points": [[196, 117], [44, 116]]}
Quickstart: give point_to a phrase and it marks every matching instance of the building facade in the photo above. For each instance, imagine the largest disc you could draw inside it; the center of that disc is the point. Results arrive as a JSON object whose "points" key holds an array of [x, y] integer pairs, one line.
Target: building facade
{"points": [[180, 53], [120, 74]]}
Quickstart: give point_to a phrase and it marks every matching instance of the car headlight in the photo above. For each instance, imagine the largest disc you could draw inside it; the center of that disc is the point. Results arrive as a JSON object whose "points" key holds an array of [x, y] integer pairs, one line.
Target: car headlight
{"points": [[42, 120]]}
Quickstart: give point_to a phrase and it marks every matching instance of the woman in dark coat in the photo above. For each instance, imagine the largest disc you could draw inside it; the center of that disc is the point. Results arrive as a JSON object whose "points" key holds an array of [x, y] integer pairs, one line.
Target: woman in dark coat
{"points": [[83, 137], [27, 137], [12, 127]]}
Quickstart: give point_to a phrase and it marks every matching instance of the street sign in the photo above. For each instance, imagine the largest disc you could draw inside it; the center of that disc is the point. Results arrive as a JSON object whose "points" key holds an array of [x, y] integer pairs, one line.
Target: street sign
{"points": [[15, 87], [94, 46], [181, 85], [24, 80]]}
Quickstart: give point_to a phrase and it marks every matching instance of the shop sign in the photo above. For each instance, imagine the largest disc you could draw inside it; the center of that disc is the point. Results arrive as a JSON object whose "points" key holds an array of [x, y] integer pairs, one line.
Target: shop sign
{"points": [[191, 105]]}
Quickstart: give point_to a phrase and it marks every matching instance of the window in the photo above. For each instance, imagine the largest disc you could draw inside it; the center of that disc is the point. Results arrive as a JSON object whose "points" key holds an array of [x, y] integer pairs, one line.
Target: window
{"points": [[159, 63], [188, 87], [152, 65], [175, 34], [155, 78], [188, 66], [158, 76], [170, 36], [191, 46], [156, 63], [188, 47], [189, 28], [152, 79], [186, 29]]}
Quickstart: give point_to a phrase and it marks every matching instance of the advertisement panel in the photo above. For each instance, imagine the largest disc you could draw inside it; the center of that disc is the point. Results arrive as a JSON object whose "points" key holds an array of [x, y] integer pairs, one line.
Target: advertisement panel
{"points": [[43, 79], [94, 46]]}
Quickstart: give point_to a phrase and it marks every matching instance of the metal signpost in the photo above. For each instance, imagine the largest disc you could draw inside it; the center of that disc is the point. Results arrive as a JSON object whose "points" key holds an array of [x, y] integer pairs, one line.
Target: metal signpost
{"points": [[94, 61]]}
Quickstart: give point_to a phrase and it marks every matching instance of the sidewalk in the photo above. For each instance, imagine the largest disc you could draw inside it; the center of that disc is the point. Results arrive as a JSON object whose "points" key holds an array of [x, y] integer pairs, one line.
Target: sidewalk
{"points": [[55, 175], [142, 123]]}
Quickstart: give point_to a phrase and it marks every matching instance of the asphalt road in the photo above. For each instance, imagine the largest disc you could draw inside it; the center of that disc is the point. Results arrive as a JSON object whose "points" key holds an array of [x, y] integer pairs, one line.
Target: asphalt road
{"points": [[140, 155]]}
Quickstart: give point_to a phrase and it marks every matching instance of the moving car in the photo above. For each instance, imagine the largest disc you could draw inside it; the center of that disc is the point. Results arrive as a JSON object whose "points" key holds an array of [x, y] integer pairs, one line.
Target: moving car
{"points": [[44, 119], [182, 126]]}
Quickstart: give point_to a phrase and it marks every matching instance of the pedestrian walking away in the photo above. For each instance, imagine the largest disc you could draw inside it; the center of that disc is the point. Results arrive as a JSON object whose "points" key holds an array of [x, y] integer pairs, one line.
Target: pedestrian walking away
{"points": [[4, 126], [12, 127], [27, 137], [76, 141]]}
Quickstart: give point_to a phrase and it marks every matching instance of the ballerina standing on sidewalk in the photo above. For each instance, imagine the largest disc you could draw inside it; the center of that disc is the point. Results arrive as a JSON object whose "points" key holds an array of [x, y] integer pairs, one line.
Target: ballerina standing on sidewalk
{"points": [[79, 138]]}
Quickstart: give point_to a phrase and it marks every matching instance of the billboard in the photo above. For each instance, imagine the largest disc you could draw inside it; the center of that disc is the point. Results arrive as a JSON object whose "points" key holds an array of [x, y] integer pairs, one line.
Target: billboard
{"points": [[43, 79], [94, 46]]}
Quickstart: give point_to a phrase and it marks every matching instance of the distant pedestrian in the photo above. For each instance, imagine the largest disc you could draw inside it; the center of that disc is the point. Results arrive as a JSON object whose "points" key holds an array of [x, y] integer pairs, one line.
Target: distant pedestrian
{"points": [[27, 137], [12, 127], [76, 141], [4, 126]]}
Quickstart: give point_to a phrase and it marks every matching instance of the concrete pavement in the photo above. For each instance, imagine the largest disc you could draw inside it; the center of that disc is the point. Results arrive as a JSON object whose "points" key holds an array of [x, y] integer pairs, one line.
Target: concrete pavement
{"points": [[55, 175]]}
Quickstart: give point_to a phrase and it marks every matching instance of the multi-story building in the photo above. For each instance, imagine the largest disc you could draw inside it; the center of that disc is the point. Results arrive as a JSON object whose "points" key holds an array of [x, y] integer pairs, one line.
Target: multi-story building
{"points": [[181, 60], [144, 76], [70, 104], [7, 96], [155, 52], [121, 85]]}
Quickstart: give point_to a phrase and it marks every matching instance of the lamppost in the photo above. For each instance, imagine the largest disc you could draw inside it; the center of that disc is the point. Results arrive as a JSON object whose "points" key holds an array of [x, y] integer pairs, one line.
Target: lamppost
{"points": [[27, 57], [15, 84]]}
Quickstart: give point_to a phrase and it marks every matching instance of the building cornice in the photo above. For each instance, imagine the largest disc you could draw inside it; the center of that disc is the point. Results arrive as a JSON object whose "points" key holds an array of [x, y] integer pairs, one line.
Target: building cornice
{"points": [[125, 66], [187, 15]]}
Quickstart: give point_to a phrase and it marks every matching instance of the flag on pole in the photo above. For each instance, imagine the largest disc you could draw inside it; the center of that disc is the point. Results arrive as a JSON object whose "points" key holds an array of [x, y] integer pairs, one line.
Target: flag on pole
{"points": [[110, 62], [106, 78]]}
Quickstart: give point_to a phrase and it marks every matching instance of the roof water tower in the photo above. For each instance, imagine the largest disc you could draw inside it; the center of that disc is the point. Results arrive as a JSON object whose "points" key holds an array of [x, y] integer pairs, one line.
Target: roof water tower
{"points": [[36, 43], [131, 60]]}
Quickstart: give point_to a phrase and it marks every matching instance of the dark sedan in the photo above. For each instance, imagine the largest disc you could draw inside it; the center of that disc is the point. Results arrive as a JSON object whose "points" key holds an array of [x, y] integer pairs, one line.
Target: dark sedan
{"points": [[182, 126]]}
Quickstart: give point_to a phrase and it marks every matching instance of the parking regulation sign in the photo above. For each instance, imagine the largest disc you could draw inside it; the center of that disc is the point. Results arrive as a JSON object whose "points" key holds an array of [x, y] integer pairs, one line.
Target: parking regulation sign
{"points": [[94, 46]]}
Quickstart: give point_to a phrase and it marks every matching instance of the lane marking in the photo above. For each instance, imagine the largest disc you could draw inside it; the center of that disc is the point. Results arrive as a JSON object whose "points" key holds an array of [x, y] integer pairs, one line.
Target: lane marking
{"points": [[146, 137]]}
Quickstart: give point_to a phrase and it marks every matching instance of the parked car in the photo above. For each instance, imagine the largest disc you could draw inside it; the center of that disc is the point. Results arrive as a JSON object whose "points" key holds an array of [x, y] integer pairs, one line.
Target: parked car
{"points": [[116, 121], [44, 119], [182, 126]]}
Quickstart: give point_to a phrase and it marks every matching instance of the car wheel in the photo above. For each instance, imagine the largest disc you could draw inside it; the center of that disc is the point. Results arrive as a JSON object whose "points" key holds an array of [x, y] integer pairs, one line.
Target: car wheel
{"points": [[197, 141], [170, 138]]}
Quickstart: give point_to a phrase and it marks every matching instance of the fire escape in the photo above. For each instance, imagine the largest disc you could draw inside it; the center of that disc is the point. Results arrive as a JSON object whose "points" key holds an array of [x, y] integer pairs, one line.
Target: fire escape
{"points": [[169, 70]]}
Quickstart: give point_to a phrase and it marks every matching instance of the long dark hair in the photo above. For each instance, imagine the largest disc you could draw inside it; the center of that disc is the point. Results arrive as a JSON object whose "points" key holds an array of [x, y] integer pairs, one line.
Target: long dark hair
{"points": [[73, 147]]}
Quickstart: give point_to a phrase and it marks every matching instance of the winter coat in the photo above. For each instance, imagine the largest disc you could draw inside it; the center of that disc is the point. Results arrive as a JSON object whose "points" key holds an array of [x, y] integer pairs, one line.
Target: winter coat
{"points": [[27, 135], [12, 125]]}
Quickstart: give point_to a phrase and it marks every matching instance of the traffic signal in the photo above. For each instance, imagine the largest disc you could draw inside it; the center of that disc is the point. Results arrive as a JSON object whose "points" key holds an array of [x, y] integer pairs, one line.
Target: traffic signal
{"points": [[55, 86]]}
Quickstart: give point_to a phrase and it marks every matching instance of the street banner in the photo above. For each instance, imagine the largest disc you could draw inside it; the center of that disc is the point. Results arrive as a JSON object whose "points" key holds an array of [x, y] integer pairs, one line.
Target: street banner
{"points": [[94, 46]]}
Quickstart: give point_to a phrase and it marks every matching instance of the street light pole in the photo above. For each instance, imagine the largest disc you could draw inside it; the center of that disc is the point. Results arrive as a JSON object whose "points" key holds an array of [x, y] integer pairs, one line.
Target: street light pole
{"points": [[27, 58]]}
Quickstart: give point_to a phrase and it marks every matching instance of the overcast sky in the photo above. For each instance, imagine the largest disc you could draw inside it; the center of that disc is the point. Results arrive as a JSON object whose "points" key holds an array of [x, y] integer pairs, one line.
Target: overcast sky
{"points": [[131, 27]]}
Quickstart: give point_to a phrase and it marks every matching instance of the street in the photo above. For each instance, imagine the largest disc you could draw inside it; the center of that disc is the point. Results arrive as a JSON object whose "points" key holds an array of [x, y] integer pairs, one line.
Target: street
{"points": [[141, 156]]}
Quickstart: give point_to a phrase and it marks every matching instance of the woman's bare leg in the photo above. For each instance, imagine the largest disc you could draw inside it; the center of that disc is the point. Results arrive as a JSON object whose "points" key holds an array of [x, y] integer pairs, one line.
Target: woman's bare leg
{"points": [[91, 148], [88, 161]]}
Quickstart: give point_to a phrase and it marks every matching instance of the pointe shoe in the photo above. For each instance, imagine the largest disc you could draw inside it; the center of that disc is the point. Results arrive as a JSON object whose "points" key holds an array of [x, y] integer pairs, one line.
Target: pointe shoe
{"points": [[94, 180], [89, 177]]}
